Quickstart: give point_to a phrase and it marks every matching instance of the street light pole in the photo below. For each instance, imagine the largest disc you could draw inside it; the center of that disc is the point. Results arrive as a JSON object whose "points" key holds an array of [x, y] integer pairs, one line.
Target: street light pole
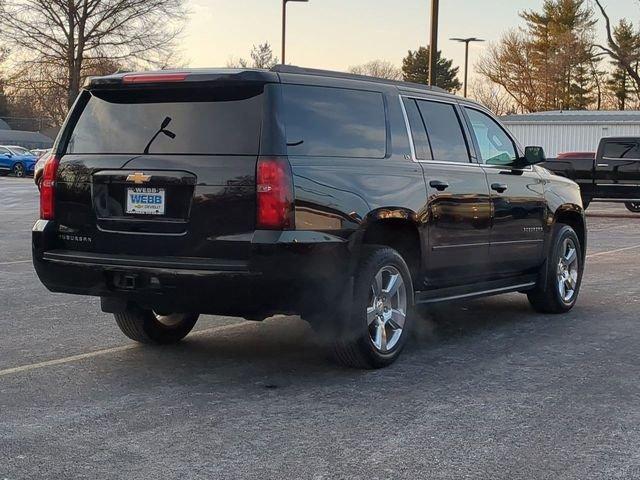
{"points": [[466, 42], [284, 27], [433, 46]]}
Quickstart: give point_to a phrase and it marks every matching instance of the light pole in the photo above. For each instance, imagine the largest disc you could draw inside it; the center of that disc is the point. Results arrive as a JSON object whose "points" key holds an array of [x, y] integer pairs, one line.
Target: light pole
{"points": [[284, 26], [466, 42], [433, 46]]}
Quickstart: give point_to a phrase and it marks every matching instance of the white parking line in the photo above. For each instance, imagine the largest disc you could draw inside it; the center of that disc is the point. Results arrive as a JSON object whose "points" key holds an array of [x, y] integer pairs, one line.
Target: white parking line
{"points": [[609, 252], [15, 262], [98, 353]]}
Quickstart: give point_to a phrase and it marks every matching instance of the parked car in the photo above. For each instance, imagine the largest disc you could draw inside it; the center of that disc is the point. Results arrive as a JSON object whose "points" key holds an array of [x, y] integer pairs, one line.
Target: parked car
{"points": [[39, 168], [39, 152], [345, 199], [14, 160], [611, 175]]}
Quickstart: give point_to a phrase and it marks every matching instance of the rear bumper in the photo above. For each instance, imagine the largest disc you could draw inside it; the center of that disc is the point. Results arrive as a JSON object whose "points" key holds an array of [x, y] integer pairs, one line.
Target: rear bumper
{"points": [[288, 272]]}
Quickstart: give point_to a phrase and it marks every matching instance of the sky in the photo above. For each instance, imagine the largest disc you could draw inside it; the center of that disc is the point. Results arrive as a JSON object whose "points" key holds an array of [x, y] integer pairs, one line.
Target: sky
{"points": [[336, 34]]}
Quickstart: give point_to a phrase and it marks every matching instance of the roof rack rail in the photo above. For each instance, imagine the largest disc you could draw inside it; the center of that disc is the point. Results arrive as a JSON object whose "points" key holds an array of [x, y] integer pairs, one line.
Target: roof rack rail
{"points": [[352, 76]]}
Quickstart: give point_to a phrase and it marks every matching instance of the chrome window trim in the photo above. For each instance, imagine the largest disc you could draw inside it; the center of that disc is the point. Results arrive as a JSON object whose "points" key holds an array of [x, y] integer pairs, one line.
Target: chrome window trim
{"points": [[401, 97], [412, 146]]}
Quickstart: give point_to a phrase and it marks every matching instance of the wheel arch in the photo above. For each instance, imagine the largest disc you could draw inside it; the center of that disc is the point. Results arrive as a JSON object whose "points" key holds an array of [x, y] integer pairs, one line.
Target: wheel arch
{"points": [[572, 216], [397, 228]]}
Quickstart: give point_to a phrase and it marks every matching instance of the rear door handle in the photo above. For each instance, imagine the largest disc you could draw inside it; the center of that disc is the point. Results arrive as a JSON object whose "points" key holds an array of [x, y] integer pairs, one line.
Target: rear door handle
{"points": [[499, 187], [439, 185]]}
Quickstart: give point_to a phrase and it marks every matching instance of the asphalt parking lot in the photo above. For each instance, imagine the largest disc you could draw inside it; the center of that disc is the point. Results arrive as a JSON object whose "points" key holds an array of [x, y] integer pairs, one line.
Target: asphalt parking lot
{"points": [[488, 389]]}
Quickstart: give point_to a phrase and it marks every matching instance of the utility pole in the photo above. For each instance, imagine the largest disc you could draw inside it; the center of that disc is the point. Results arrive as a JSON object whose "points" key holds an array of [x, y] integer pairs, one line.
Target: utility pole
{"points": [[466, 42], [433, 48]]}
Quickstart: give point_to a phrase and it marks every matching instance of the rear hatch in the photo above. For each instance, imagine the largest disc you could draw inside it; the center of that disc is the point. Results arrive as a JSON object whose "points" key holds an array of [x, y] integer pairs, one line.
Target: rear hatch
{"points": [[161, 170]]}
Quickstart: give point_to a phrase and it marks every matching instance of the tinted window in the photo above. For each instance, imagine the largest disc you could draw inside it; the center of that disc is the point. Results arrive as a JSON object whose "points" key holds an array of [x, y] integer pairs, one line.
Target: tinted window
{"points": [[418, 132], [444, 131], [621, 150], [333, 122], [496, 148], [197, 121]]}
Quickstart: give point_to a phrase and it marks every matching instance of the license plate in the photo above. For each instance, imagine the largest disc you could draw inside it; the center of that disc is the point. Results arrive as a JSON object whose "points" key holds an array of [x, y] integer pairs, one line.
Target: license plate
{"points": [[145, 201]]}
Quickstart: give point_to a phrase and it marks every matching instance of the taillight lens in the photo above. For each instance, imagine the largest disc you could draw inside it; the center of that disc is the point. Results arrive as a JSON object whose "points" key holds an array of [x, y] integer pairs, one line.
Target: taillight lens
{"points": [[47, 188], [274, 188]]}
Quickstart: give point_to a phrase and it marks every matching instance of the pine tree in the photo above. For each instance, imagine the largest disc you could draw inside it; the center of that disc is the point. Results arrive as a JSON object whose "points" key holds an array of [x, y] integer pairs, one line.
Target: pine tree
{"points": [[560, 36], [415, 68]]}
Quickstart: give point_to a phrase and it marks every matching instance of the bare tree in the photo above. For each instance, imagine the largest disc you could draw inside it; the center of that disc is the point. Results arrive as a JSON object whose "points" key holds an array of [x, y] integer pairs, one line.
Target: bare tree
{"points": [[492, 96], [378, 68], [261, 57], [69, 34], [42, 92], [626, 61]]}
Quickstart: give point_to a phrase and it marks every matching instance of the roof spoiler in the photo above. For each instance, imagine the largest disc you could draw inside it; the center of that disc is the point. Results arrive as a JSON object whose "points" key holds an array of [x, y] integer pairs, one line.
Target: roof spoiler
{"points": [[177, 77]]}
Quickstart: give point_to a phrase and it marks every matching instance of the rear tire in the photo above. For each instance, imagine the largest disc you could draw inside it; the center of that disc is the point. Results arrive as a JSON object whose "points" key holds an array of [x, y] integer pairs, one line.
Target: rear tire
{"points": [[18, 170], [145, 326], [633, 206], [377, 330], [559, 283]]}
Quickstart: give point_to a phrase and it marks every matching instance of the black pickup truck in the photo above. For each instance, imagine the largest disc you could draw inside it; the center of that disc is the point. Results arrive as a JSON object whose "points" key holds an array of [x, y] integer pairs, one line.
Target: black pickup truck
{"points": [[612, 176]]}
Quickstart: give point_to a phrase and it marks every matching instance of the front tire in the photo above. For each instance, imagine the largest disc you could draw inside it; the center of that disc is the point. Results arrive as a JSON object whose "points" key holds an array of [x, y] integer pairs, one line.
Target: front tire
{"points": [[378, 327], [633, 206], [559, 283], [146, 326]]}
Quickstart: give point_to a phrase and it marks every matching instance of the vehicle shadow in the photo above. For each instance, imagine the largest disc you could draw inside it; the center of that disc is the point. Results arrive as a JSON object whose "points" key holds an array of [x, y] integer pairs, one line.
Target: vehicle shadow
{"points": [[288, 348]]}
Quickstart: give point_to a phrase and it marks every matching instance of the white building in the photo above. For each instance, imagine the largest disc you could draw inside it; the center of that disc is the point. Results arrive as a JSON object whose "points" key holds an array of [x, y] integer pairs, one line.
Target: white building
{"points": [[571, 131]]}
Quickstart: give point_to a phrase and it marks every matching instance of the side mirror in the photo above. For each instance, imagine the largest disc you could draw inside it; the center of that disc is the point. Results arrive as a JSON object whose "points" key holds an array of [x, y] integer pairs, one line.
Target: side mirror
{"points": [[532, 156]]}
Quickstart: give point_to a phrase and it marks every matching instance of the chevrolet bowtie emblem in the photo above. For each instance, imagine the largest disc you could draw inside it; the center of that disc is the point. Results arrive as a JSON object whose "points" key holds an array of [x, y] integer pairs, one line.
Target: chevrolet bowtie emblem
{"points": [[138, 178]]}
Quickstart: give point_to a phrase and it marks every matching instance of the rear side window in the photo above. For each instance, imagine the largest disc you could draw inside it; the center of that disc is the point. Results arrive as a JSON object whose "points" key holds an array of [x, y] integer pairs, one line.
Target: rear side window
{"points": [[418, 131], [621, 149], [444, 131], [220, 120], [334, 122]]}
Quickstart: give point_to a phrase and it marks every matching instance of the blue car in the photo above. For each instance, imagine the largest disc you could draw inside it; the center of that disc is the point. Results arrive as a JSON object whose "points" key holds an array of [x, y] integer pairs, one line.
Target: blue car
{"points": [[16, 160]]}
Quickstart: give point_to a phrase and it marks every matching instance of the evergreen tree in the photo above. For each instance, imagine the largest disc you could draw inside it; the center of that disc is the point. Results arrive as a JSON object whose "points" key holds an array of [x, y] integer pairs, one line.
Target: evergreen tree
{"points": [[415, 68], [560, 35]]}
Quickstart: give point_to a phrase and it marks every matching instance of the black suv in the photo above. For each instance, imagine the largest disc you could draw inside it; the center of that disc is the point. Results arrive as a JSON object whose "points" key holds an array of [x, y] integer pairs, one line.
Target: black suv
{"points": [[345, 199]]}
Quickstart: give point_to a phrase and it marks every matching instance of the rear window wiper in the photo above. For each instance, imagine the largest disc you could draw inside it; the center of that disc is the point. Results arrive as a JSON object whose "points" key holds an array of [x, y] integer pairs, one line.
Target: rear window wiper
{"points": [[163, 130]]}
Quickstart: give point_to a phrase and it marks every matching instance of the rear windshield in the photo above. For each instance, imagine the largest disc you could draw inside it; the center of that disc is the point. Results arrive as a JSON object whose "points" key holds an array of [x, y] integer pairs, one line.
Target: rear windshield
{"points": [[622, 149], [212, 121]]}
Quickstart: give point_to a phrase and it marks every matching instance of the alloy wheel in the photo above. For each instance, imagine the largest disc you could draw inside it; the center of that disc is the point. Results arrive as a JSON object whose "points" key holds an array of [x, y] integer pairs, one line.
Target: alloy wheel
{"points": [[567, 271], [170, 320], [387, 309], [18, 170]]}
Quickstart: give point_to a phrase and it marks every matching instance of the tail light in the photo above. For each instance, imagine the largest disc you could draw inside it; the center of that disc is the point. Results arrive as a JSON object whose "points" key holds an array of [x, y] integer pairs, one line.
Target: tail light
{"points": [[47, 189], [274, 188], [154, 77]]}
